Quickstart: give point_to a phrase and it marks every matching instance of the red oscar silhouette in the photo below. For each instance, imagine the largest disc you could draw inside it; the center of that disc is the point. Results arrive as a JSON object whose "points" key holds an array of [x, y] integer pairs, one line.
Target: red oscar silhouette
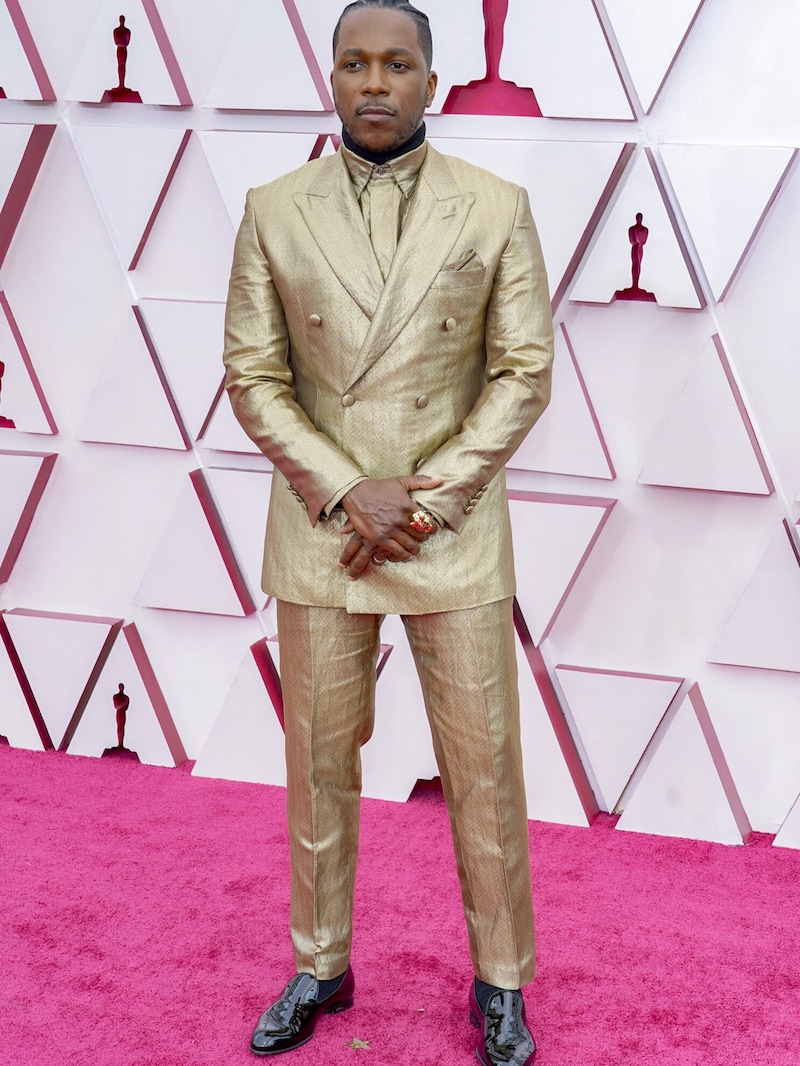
{"points": [[120, 94], [637, 235], [491, 95], [121, 703], [5, 423]]}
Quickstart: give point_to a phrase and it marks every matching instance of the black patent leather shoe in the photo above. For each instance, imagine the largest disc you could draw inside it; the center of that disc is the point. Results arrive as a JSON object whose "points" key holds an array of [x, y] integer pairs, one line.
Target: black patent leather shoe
{"points": [[291, 1019], [506, 1039]]}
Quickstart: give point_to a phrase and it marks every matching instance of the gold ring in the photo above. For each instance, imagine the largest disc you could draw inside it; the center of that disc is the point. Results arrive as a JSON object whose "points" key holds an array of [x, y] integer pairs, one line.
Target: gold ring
{"points": [[377, 561]]}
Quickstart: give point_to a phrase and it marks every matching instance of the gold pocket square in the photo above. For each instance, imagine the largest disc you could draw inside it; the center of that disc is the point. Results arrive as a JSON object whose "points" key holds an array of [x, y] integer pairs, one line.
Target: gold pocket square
{"points": [[469, 258]]}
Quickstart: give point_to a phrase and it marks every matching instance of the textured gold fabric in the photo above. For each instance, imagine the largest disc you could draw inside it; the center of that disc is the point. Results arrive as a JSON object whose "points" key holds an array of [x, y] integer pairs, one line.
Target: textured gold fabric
{"points": [[336, 374], [467, 665]]}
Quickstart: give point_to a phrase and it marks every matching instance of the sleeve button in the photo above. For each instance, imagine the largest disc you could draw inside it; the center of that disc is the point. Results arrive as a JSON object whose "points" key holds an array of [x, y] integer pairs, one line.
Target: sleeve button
{"points": [[422, 401]]}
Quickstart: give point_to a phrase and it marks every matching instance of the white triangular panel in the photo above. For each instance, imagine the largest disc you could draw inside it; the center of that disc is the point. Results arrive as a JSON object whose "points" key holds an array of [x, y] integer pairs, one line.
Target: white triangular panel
{"points": [[187, 571], [680, 793], [707, 442], [127, 168], [558, 48], [246, 81], [566, 439], [616, 715], [549, 787], [552, 539], [16, 76], [724, 191], [650, 36], [400, 751], [607, 268], [13, 142], [246, 742], [97, 729], [189, 337], [566, 180], [789, 834], [23, 476], [764, 628], [224, 434], [129, 404], [58, 655], [21, 399], [242, 161], [146, 71], [16, 723], [243, 500]]}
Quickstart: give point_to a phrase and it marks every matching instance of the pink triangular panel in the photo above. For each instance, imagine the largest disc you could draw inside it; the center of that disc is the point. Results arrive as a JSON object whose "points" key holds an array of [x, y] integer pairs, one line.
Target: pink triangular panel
{"points": [[560, 50], [553, 536], [708, 441], [129, 168], [789, 833], [616, 715], [23, 405], [188, 336], [724, 193], [193, 567], [22, 72], [241, 161], [764, 628], [665, 269], [246, 742], [650, 37], [21, 722], [61, 656], [223, 432], [130, 404], [19, 167], [685, 790], [556, 786], [149, 728], [24, 477], [567, 438], [243, 498], [152, 70], [245, 81]]}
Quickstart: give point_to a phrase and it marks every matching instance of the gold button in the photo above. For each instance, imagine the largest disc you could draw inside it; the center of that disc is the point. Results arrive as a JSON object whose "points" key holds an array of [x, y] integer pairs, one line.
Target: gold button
{"points": [[450, 324], [469, 510], [315, 320], [422, 401], [348, 400], [484, 488]]}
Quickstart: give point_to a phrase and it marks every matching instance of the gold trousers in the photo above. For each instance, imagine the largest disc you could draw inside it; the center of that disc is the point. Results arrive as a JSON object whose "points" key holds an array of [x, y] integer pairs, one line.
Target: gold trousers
{"points": [[467, 665]]}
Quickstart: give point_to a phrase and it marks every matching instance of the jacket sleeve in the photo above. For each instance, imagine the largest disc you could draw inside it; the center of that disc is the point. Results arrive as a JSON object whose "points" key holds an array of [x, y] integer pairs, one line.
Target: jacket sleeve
{"points": [[519, 355], [259, 380]]}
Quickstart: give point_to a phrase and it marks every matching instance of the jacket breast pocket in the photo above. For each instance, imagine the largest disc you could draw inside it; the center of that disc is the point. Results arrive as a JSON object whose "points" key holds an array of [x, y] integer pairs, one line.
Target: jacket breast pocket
{"points": [[459, 279]]}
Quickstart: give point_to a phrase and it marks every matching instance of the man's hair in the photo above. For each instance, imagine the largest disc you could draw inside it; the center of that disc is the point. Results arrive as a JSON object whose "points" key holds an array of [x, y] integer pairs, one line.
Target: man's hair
{"points": [[421, 19]]}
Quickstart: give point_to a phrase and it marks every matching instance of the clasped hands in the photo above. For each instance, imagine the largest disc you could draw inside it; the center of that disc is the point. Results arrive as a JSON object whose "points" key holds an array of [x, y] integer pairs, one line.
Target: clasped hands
{"points": [[379, 514]]}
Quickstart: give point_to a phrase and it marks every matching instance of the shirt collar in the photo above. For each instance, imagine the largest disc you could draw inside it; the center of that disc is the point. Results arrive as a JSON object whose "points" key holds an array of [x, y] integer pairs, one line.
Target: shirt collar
{"points": [[405, 169]]}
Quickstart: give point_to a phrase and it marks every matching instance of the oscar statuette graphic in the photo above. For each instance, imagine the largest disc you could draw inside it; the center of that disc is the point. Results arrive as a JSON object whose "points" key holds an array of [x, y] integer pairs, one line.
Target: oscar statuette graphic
{"points": [[120, 93], [122, 702], [637, 235], [5, 423], [491, 95]]}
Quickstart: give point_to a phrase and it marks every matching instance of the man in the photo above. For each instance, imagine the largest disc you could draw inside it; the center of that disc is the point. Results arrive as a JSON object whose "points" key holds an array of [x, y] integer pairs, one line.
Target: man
{"points": [[388, 346]]}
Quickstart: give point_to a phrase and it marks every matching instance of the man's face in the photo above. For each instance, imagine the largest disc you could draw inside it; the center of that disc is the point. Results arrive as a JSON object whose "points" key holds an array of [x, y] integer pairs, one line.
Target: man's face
{"points": [[381, 85]]}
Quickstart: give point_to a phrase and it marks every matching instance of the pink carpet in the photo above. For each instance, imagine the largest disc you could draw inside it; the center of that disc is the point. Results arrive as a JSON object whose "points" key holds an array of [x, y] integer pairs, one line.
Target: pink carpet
{"points": [[145, 922]]}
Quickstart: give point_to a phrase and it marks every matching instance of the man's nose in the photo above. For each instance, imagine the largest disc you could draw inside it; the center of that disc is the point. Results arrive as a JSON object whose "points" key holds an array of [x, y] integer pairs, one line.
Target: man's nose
{"points": [[375, 80]]}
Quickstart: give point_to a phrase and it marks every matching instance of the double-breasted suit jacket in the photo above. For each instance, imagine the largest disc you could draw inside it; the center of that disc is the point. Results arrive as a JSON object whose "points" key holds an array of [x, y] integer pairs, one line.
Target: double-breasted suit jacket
{"points": [[336, 375]]}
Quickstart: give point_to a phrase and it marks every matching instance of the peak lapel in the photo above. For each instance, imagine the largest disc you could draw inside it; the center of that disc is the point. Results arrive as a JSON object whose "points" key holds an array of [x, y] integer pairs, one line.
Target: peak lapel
{"points": [[333, 217], [435, 220]]}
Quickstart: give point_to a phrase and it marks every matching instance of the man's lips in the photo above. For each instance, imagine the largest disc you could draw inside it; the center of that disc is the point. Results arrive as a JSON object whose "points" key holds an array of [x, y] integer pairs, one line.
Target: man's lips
{"points": [[375, 111]]}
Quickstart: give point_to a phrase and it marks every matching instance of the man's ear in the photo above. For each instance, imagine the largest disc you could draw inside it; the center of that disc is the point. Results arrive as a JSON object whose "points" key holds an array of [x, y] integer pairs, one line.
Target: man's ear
{"points": [[433, 81]]}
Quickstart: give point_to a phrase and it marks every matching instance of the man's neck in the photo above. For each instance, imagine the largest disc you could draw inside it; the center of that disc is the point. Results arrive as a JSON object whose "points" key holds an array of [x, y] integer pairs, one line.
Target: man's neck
{"points": [[414, 141]]}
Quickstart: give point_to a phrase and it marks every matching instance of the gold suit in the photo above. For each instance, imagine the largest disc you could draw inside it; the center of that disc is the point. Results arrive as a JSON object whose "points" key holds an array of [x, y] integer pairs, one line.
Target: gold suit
{"points": [[338, 374]]}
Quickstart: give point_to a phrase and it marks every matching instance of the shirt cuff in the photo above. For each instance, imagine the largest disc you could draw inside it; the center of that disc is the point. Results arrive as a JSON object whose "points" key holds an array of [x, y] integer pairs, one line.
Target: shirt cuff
{"points": [[334, 501]]}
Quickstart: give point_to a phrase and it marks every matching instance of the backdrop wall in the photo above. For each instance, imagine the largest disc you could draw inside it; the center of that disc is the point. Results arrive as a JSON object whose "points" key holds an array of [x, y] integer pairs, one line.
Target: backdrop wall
{"points": [[655, 506]]}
